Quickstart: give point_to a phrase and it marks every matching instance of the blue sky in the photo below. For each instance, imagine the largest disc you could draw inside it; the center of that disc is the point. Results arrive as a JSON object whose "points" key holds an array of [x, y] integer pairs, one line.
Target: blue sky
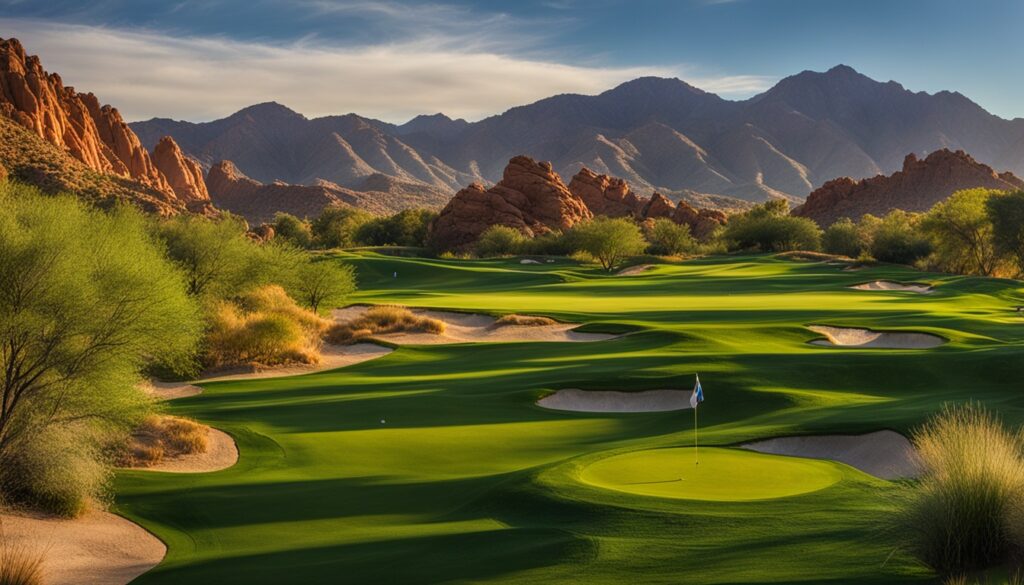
{"points": [[202, 59]]}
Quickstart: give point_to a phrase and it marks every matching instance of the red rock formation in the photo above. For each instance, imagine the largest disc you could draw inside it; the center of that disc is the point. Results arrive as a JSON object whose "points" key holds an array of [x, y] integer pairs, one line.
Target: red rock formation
{"points": [[530, 197], [920, 185], [183, 173], [93, 134], [604, 195], [657, 206], [703, 222]]}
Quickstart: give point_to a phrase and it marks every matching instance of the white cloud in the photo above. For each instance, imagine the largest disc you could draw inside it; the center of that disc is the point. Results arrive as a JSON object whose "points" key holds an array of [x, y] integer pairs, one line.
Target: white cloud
{"points": [[146, 74]]}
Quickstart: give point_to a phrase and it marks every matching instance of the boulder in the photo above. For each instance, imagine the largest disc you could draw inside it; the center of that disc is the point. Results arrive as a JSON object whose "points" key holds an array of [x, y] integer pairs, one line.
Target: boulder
{"points": [[604, 195]]}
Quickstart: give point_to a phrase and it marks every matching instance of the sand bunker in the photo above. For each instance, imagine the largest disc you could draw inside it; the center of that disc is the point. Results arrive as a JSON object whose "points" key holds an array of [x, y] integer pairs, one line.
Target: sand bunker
{"points": [[221, 453], [639, 268], [866, 338], [529, 261], [923, 289], [612, 401], [884, 454], [98, 548], [470, 327]]}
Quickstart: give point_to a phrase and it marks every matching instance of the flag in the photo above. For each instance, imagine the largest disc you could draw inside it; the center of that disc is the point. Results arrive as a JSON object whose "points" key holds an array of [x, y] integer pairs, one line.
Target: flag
{"points": [[698, 395]]}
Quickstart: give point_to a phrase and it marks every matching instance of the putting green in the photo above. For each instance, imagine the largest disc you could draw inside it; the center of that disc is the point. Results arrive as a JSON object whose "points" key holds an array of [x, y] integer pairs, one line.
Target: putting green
{"points": [[723, 475]]}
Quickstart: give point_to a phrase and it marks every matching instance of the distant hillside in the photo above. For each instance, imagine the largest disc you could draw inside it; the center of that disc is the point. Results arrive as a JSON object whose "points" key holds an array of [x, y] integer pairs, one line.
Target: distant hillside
{"points": [[659, 134], [917, 187]]}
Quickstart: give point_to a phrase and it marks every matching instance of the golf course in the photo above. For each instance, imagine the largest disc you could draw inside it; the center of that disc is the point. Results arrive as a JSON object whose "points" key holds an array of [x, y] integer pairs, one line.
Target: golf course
{"points": [[434, 464]]}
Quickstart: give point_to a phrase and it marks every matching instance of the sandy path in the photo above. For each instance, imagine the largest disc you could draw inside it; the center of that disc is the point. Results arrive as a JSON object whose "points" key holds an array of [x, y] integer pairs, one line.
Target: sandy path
{"points": [[889, 285], [470, 327], [884, 454], [98, 548], [855, 337], [613, 401], [639, 268]]}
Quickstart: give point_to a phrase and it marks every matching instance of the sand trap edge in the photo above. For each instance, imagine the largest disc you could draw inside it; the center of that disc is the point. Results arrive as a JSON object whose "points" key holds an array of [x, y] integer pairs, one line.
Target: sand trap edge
{"points": [[614, 401], [884, 454], [873, 339]]}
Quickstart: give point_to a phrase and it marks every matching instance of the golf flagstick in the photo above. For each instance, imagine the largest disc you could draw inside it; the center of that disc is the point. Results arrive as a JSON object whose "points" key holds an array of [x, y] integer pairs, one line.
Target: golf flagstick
{"points": [[695, 399], [696, 460]]}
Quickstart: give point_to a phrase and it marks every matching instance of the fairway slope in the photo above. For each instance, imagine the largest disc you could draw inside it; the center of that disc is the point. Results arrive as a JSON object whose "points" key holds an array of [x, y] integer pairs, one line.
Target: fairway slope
{"points": [[576, 400], [866, 338], [884, 454], [473, 327], [889, 285]]}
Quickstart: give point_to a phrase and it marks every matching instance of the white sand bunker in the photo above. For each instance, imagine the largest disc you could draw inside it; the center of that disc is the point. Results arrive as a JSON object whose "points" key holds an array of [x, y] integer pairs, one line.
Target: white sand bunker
{"points": [[919, 288], [98, 548], [854, 337], [529, 261], [471, 327], [614, 401], [884, 454], [638, 269]]}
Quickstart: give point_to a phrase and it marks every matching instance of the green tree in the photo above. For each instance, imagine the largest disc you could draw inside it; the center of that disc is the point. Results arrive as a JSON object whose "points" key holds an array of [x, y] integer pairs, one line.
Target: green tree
{"points": [[668, 237], [609, 240], [405, 228], [768, 227], [844, 238], [960, 229], [215, 255], [1007, 216], [87, 300], [323, 282], [898, 239], [499, 240], [337, 227], [293, 230]]}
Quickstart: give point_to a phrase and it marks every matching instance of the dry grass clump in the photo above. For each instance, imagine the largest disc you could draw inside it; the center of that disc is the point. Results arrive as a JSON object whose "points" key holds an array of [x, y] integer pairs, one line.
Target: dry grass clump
{"points": [[163, 437], [959, 515], [812, 256], [264, 327], [19, 565], [382, 320], [524, 321]]}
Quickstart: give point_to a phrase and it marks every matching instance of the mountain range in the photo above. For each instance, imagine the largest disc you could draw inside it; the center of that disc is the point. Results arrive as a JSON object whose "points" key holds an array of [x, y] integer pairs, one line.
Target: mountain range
{"points": [[658, 134]]}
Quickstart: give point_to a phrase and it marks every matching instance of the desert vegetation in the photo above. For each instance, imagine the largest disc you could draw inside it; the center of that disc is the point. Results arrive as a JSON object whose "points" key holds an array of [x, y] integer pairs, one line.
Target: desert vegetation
{"points": [[383, 319], [160, 437], [19, 564]]}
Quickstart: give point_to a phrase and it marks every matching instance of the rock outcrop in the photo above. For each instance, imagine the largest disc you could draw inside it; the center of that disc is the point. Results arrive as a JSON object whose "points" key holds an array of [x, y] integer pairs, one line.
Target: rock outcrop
{"points": [[184, 174], [657, 207], [530, 197], [702, 221], [921, 184], [87, 131]]}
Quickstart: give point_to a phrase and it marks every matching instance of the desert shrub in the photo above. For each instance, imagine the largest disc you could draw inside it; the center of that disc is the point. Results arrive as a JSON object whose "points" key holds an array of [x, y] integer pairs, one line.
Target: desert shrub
{"points": [[262, 327], [1007, 216], [322, 283], [549, 244], [843, 238], [405, 228], [609, 240], [87, 300], [337, 227], [215, 255], [898, 239], [382, 320], [499, 240], [293, 230], [768, 227], [161, 437], [19, 564], [972, 475], [523, 321], [960, 229], [669, 238]]}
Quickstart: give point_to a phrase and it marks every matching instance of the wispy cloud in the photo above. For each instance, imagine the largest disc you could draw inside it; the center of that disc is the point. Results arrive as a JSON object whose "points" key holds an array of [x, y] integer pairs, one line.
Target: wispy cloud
{"points": [[147, 74]]}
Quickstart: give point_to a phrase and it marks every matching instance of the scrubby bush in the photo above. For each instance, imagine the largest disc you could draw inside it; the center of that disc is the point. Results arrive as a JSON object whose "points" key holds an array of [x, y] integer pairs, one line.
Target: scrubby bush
{"points": [[405, 228], [609, 240], [323, 283], [523, 321], [898, 239], [669, 238], [215, 255], [87, 300], [338, 227], [163, 437], [263, 327], [956, 518], [1007, 216], [293, 230], [961, 229], [843, 238], [382, 320], [500, 240], [768, 227], [554, 243]]}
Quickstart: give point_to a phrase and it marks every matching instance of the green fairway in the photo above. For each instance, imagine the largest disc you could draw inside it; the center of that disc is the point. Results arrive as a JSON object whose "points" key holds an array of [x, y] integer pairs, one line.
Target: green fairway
{"points": [[722, 475], [468, 481]]}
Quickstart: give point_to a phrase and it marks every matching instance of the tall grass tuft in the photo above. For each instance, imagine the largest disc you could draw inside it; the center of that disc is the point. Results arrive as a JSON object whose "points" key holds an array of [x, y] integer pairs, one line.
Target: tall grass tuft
{"points": [[163, 437], [383, 319], [972, 475], [19, 565]]}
